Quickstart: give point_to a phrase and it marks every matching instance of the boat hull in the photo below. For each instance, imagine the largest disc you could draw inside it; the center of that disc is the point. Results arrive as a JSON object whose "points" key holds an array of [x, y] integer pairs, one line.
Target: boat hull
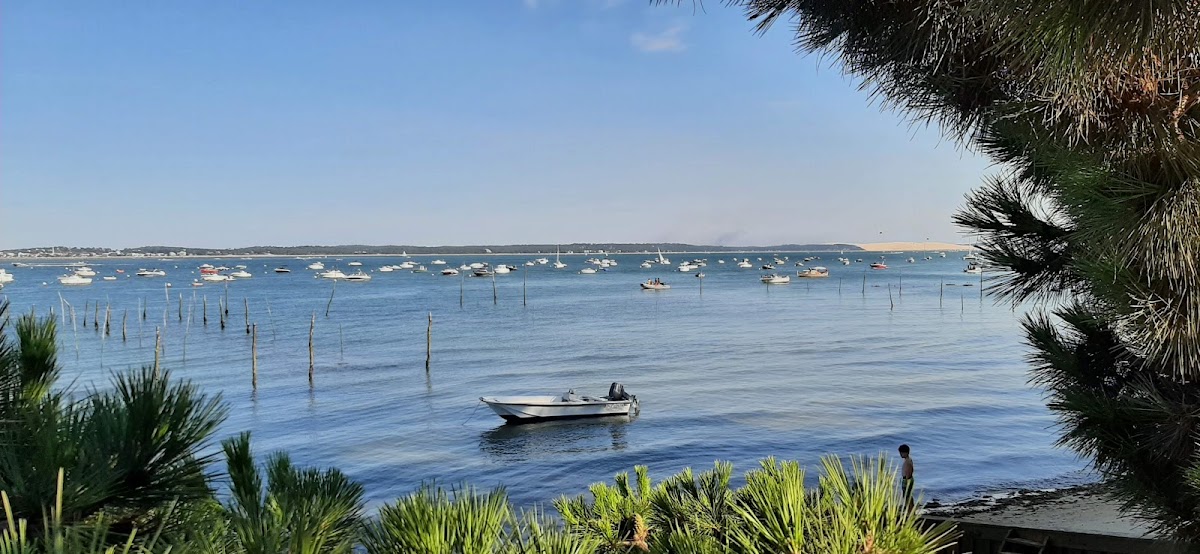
{"points": [[535, 409]]}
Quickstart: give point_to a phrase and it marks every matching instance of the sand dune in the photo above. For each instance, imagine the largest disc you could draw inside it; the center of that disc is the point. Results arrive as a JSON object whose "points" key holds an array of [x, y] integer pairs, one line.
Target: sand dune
{"points": [[911, 246]]}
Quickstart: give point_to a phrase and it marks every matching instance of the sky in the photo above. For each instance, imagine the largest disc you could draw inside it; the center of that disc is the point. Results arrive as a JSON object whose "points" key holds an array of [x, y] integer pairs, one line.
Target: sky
{"points": [[224, 124]]}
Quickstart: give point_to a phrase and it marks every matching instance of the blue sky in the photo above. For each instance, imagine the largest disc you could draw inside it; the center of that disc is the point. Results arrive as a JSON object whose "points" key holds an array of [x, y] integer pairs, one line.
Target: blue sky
{"points": [[224, 124]]}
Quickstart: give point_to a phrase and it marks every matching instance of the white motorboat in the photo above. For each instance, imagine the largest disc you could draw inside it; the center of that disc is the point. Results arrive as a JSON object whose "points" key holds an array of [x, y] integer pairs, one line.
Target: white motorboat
{"points": [[911, 260], [530, 263], [646, 265], [438, 262], [971, 257], [206, 266], [542, 261], [387, 269], [529, 409], [478, 265], [464, 267], [74, 280], [655, 284], [745, 264], [109, 278], [317, 266], [587, 271], [332, 274], [358, 277], [482, 271], [282, 270], [815, 272], [776, 279], [406, 264], [687, 267], [241, 274], [151, 273], [974, 269], [355, 264], [6, 277], [85, 271], [501, 269], [449, 271], [215, 277]]}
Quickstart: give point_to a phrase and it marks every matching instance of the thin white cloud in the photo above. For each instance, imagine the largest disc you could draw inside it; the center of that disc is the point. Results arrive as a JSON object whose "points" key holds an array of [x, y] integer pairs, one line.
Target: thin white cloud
{"points": [[670, 40]]}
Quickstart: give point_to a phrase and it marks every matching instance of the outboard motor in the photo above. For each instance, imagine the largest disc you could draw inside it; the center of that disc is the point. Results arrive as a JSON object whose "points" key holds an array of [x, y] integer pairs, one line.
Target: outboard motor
{"points": [[616, 391]]}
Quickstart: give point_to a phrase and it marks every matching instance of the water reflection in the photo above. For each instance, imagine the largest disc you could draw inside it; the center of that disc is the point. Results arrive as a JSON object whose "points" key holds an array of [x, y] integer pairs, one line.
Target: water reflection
{"points": [[540, 440]]}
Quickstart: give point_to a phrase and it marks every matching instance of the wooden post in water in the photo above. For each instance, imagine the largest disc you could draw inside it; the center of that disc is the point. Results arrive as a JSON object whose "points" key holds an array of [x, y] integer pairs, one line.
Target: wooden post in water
{"points": [[254, 356], [330, 304], [891, 305], [981, 287], [462, 279], [901, 294], [226, 299], [341, 346], [96, 317], [86, 305], [124, 317], [495, 298], [962, 306], [204, 310], [524, 281], [429, 339], [864, 289], [142, 305], [157, 348], [839, 287], [221, 311], [941, 292], [311, 357], [247, 302], [107, 320], [180, 309]]}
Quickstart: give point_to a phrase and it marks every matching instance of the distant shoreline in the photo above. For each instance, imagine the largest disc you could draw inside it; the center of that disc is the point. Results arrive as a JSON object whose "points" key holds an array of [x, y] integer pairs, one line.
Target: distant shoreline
{"points": [[541, 250]]}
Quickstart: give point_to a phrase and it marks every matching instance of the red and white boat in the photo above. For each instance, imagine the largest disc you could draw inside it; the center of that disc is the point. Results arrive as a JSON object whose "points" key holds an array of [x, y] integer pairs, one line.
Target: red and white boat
{"points": [[878, 265]]}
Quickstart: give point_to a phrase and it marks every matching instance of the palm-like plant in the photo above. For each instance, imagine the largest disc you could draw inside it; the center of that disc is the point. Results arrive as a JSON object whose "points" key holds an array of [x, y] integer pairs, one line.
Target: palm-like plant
{"points": [[1094, 110], [126, 453], [848, 512], [303, 511]]}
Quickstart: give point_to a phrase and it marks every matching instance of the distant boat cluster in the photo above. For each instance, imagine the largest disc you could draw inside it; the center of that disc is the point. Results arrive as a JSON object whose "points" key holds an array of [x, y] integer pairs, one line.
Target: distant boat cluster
{"points": [[82, 275]]}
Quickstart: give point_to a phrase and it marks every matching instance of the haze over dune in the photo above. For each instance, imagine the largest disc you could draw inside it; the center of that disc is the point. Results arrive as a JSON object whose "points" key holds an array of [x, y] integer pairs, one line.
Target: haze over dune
{"points": [[910, 246]]}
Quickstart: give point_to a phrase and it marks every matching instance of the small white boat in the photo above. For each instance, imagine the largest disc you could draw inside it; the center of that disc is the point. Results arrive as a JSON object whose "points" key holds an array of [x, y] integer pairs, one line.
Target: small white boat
{"points": [[85, 271], [438, 262], [530, 263], [421, 269], [387, 269], [109, 278], [745, 264], [542, 261], [482, 271], [529, 409], [767, 266], [646, 265], [354, 264], [464, 267], [587, 271], [974, 269], [215, 277], [206, 266], [74, 280], [687, 267], [358, 277], [406, 264], [971, 257], [239, 266], [501, 269], [655, 284], [5, 277], [282, 270], [332, 274], [911, 260], [557, 262], [815, 272], [776, 279], [478, 265], [241, 274], [449, 271], [197, 283], [317, 266], [151, 273]]}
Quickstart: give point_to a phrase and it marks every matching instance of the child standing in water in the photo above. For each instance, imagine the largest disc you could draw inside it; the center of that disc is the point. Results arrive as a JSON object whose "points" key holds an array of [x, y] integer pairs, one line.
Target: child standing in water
{"points": [[906, 475]]}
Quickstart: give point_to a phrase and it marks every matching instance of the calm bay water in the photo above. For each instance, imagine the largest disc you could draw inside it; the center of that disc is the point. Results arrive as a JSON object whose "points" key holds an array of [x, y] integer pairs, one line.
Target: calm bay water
{"points": [[738, 371]]}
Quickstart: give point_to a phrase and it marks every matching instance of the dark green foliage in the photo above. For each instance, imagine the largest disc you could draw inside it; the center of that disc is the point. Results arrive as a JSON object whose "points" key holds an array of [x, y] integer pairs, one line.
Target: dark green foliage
{"points": [[126, 452]]}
